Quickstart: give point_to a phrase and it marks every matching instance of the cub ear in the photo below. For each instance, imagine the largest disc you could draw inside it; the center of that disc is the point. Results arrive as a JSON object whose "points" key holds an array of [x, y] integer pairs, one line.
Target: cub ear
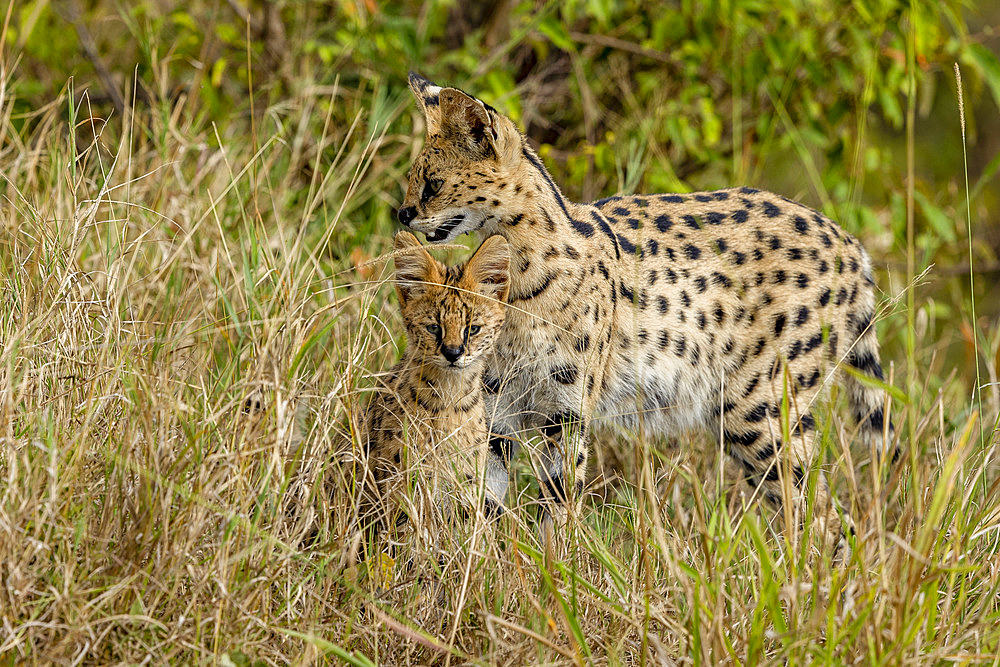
{"points": [[477, 128], [488, 270], [414, 266], [427, 96]]}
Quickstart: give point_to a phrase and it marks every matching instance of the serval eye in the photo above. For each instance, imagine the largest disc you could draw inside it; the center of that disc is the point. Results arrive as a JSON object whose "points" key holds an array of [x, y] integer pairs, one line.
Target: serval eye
{"points": [[474, 329], [431, 188], [434, 329]]}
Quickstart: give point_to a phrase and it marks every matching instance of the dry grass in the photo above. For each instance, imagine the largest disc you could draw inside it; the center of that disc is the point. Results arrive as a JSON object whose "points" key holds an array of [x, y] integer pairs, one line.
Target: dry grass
{"points": [[154, 276]]}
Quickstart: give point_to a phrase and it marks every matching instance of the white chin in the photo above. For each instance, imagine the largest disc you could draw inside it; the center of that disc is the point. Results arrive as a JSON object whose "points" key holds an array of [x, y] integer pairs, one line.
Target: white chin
{"points": [[450, 227]]}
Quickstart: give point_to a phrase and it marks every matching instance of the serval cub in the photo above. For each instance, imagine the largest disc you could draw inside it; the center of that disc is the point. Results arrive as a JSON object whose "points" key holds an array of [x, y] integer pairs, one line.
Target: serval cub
{"points": [[430, 413], [660, 313]]}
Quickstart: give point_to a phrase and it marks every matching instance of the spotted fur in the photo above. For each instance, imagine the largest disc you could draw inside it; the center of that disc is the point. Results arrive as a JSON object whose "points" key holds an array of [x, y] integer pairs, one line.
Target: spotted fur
{"points": [[430, 415], [659, 313]]}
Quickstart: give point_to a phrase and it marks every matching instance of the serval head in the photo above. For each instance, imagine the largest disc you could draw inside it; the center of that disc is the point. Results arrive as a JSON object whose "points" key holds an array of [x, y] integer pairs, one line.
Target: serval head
{"points": [[452, 313], [467, 168]]}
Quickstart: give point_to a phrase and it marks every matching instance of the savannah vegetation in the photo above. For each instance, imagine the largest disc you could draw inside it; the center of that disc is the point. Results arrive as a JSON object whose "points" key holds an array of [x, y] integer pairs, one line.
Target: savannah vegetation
{"points": [[196, 206]]}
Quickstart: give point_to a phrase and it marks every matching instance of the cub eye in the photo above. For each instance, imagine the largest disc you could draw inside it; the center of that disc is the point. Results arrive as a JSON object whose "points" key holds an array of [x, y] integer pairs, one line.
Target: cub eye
{"points": [[431, 188], [434, 329], [474, 329]]}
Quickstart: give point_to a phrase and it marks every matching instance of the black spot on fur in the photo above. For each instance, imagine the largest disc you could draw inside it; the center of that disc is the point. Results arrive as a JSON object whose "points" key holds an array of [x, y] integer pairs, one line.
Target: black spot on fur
{"points": [[502, 447], [757, 414], [759, 347], [580, 227], [863, 322], [692, 221], [692, 251], [866, 362], [876, 420], [680, 345], [541, 287], [565, 374], [805, 424], [779, 324], [721, 280], [626, 292], [606, 230], [809, 382], [741, 439], [628, 247]]}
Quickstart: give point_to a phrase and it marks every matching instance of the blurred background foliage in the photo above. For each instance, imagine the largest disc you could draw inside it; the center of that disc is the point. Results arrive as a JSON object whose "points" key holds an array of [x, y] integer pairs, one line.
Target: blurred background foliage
{"points": [[807, 98]]}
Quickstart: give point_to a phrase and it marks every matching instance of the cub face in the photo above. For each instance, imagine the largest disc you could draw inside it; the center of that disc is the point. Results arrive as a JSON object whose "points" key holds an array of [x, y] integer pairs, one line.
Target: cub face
{"points": [[452, 314], [469, 161]]}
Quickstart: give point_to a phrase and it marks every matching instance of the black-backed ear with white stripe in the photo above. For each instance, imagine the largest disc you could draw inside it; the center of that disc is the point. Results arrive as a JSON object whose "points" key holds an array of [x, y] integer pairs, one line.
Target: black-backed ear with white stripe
{"points": [[428, 98]]}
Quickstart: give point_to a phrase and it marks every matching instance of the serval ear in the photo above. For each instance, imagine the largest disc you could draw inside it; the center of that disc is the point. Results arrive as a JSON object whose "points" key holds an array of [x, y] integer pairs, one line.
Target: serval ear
{"points": [[427, 96], [478, 128], [414, 267], [488, 270]]}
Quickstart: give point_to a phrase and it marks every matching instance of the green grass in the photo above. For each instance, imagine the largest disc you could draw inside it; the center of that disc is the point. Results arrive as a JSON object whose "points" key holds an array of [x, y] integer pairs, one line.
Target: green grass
{"points": [[158, 269]]}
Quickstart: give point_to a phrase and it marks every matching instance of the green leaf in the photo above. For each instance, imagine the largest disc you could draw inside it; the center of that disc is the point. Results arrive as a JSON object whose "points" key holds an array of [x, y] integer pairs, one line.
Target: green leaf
{"points": [[939, 221], [552, 28], [986, 63], [875, 383], [329, 648]]}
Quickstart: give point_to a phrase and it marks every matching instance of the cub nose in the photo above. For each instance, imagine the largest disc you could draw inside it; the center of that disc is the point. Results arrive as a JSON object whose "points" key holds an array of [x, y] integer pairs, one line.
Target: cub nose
{"points": [[452, 353], [406, 215]]}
